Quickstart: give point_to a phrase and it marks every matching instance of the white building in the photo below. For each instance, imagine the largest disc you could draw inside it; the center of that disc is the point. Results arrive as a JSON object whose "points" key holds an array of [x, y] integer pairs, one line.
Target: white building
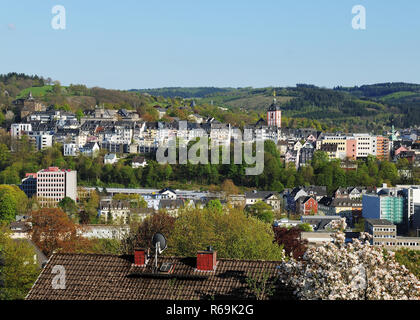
{"points": [[105, 232], [365, 144], [54, 184], [116, 210], [70, 150], [138, 162], [17, 129], [110, 158], [43, 141]]}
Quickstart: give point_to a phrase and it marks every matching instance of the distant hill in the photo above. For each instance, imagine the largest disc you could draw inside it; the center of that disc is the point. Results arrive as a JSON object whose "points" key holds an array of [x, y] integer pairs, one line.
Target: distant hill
{"points": [[179, 92]]}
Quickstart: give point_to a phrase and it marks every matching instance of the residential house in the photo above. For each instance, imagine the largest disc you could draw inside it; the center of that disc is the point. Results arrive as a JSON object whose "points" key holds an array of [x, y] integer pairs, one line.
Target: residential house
{"points": [[90, 149], [70, 150], [138, 162], [171, 206], [135, 277], [318, 222], [110, 158], [270, 197], [117, 210], [168, 193], [307, 205]]}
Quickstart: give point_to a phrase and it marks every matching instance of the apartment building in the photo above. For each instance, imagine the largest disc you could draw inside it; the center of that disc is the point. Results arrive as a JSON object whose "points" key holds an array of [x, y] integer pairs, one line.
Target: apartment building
{"points": [[19, 129], [43, 141], [54, 184], [382, 148], [70, 150], [329, 142], [353, 146]]}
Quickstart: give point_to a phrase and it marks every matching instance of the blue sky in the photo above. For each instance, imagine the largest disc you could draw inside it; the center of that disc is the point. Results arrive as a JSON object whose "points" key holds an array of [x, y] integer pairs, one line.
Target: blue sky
{"points": [[145, 44]]}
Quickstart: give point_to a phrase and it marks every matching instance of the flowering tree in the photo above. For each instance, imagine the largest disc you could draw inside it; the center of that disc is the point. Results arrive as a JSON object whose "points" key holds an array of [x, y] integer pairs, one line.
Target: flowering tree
{"points": [[353, 271]]}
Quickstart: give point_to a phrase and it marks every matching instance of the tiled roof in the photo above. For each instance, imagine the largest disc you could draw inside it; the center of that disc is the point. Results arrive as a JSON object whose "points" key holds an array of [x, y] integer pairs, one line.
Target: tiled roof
{"points": [[110, 277], [379, 222], [260, 194]]}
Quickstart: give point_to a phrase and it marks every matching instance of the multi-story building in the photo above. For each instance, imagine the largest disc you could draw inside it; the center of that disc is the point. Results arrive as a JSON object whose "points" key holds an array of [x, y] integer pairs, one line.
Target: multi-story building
{"points": [[28, 184], [70, 150], [272, 198], [115, 210], [351, 148], [19, 129], [366, 144], [387, 204], [334, 145], [382, 148], [43, 141], [306, 205], [384, 233], [53, 185]]}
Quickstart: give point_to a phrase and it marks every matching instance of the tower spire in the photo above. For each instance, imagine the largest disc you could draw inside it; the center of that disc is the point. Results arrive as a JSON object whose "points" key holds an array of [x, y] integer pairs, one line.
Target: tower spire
{"points": [[274, 96]]}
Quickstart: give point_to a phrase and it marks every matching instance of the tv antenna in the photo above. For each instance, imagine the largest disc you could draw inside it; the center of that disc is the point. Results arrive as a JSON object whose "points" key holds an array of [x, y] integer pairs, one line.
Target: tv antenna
{"points": [[159, 243]]}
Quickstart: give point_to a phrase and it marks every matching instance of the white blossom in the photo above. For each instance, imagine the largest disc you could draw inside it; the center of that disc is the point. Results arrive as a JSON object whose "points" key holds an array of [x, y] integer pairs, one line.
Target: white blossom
{"points": [[353, 271]]}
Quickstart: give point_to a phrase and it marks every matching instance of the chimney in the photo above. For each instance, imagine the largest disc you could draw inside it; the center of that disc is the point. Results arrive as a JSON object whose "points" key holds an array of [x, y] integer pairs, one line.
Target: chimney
{"points": [[140, 257], [206, 260]]}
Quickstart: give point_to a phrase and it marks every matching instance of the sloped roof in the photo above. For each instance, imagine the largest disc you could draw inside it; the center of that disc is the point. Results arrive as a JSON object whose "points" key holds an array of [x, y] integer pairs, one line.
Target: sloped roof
{"points": [[260, 194], [111, 277], [171, 203]]}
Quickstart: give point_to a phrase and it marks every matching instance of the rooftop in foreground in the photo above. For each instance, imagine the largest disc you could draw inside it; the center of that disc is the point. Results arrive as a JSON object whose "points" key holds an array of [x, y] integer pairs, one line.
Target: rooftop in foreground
{"points": [[111, 277]]}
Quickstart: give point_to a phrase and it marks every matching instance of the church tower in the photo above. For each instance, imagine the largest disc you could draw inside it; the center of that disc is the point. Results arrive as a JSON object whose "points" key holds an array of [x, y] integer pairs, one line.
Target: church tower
{"points": [[274, 114]]}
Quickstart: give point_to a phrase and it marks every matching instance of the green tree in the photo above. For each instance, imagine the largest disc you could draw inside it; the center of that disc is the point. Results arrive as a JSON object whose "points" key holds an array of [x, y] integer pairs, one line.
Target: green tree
{"points": [[214, 205], [231, 233], [19, 270], [261, 211], [13, 201], [69, 206]]}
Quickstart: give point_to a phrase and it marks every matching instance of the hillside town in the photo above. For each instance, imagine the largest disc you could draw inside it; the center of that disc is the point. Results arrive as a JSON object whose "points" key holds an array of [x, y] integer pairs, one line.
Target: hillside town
{"points": [[121, 132], [388, 214]]}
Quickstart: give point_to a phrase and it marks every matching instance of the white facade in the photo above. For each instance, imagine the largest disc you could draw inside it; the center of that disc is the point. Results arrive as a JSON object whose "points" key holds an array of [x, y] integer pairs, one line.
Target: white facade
{"points": [[43, 141], [70, 150], [54, 184], [17, 129], [110, 158], [365, 145], [105, 232]]}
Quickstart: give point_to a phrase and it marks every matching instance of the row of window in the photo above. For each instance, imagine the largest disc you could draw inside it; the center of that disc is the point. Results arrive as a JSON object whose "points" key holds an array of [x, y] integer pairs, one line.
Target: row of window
{"points": [[384, 236], [49, 195], [50, 185], [406, 244]]}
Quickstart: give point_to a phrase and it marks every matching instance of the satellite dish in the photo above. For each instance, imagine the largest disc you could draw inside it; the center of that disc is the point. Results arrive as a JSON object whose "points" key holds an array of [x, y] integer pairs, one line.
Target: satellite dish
{"points": [[159, 242]]}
